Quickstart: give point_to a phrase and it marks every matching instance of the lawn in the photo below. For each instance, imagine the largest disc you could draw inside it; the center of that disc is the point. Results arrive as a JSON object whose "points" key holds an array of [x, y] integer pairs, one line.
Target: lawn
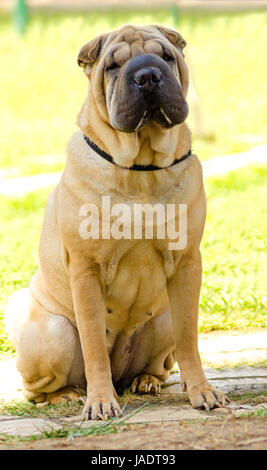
{"points": [[234, 251], [42, 88]]}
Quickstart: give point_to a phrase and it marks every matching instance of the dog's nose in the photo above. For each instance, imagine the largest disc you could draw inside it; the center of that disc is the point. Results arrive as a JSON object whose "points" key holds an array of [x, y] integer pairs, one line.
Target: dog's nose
{"points": [[147, 78]]}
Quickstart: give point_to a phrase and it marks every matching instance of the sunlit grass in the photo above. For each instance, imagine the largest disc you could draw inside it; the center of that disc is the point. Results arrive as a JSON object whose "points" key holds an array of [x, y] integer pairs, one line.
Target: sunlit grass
{"points": [[21, 221], [234, 252], [42, 88]]}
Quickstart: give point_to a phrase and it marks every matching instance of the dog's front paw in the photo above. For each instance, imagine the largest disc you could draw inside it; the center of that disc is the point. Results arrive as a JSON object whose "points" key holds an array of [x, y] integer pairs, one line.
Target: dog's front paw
{"points": [[207, 397], [146, 383], [100, 408]]}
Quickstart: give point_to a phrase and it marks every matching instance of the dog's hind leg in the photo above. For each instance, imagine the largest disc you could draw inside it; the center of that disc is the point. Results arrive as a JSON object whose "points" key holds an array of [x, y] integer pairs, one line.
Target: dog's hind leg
{"points": [[153, 357], [49, 356]]}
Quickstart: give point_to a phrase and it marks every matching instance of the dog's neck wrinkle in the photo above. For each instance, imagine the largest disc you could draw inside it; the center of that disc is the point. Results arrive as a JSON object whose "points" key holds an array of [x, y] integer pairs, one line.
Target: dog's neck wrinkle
{"points": [[146, 154], [152, 145], [121, 146], [87, 169], [162, 146]]}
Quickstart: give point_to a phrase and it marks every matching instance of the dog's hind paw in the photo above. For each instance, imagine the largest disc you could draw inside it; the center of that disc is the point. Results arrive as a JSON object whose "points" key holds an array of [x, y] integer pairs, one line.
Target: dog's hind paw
{"points": [[65, 395], [146, 383]]}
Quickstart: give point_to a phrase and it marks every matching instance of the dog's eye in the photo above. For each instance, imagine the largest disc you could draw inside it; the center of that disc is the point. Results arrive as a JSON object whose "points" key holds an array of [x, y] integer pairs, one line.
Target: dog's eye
{"points": [[167, 57], [112, 66]]}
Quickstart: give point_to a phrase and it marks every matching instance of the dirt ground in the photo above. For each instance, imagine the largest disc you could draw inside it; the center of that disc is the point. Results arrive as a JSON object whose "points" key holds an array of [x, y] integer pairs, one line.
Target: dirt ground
{"points": [[225, 434]]}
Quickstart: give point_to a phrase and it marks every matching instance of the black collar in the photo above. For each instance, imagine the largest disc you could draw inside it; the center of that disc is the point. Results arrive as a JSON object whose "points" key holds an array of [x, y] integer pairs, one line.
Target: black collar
{"points": [[109, 158]]}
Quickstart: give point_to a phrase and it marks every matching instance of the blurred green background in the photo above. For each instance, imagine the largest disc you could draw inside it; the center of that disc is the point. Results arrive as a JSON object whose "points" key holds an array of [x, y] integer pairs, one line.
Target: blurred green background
{"points": [[42, 87], [41, 92]]}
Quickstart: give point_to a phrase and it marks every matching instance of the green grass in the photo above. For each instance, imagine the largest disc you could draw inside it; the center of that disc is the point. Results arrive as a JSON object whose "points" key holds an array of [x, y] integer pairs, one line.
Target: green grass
{"points": [[24, 408], [21, 221], [42, 88], [251, 398], [110, 426], [234, 251], [251, 414]]}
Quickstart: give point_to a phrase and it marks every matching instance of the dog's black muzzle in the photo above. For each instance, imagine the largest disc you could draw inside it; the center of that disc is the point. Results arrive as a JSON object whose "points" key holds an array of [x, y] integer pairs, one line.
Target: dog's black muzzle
{"points": [[153, 93]]}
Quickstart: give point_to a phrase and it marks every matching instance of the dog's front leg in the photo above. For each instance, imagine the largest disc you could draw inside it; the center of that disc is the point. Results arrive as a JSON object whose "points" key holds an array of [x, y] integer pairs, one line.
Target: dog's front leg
{"points": [[90, 312], [183, 291]]}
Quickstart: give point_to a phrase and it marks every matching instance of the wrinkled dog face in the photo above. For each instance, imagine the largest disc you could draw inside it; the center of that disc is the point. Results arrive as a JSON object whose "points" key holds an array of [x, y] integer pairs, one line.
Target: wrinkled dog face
{"points": [[141, 75]]}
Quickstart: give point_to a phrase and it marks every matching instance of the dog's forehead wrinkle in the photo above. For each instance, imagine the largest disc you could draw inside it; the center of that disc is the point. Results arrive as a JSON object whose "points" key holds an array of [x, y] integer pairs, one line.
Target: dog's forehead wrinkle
{"points": [[131, 41], [153, 47], [133, 36], [122, 54], [109, 40], [124, 51], [137, 48], [131, 33], [114, 47]]}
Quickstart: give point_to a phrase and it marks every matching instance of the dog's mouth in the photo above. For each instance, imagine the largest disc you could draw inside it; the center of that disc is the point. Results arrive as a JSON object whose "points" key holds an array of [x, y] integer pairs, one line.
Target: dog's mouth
{"points": [[157, 115], [166, 115]]}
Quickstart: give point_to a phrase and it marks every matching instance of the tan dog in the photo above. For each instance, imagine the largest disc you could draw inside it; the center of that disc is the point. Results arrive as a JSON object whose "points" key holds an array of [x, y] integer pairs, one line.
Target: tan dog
{"points": [[105, 311]]}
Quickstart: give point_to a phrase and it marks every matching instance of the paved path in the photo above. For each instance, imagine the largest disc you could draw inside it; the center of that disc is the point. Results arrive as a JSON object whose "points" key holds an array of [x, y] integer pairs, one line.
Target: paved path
{"points": [[225, 163], [27, 184], [215, 166], [231, 349], [171, 405]]}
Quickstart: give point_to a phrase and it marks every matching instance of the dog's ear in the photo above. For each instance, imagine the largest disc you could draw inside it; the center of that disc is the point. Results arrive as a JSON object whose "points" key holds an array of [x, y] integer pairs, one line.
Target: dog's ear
{"points": [[89, 52], [173, 36]]}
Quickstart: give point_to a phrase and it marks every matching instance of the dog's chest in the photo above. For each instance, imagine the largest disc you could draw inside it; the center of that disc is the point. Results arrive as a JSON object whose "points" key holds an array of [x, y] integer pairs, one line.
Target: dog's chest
{"points": [[135, 281]]}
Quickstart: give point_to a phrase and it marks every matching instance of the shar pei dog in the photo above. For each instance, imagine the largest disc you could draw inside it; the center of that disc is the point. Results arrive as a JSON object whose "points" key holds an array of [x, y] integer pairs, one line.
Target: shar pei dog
{"points": [[112, 306]]}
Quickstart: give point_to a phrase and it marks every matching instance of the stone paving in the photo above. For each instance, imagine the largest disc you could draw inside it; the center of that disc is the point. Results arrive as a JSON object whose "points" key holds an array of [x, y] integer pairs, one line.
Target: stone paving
{"points": [[231, 349], [172, 405]]}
